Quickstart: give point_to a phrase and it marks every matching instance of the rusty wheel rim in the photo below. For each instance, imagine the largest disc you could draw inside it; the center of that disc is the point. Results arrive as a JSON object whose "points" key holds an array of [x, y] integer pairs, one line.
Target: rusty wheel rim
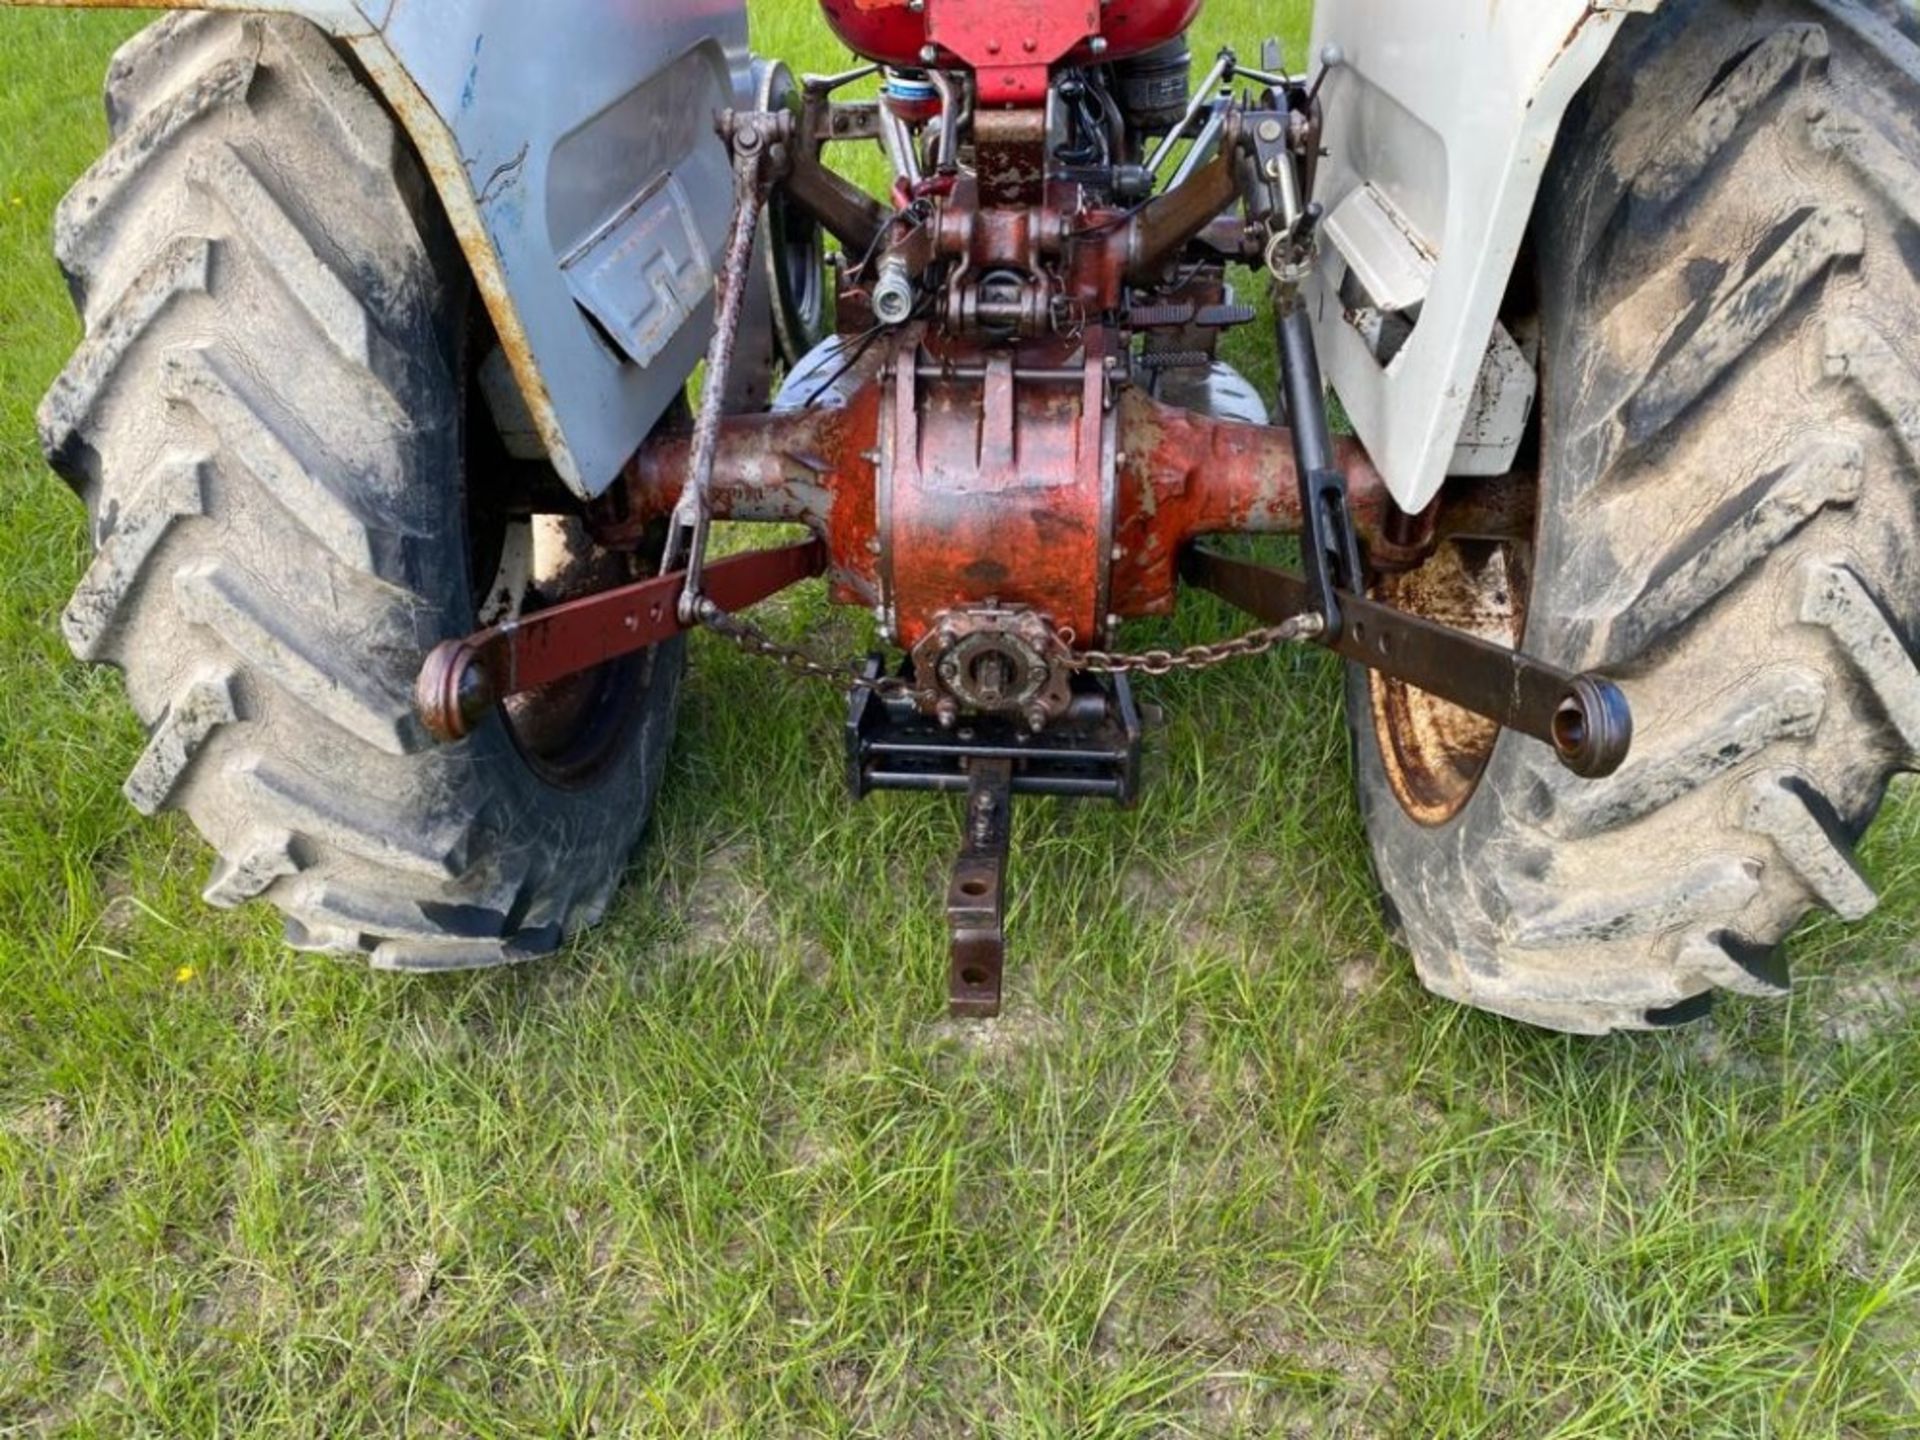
{"points": [[571, 730], [518, 564], [1436, 754]]}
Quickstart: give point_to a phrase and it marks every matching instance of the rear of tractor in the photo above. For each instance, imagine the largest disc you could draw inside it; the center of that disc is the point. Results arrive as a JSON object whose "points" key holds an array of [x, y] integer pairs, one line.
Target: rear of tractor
{"points": [[403, 511]]}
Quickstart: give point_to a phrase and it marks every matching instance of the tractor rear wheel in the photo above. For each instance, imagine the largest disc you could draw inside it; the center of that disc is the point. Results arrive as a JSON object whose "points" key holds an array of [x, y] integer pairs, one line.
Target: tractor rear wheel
{"points": [[295, 492], [1729, 295]]}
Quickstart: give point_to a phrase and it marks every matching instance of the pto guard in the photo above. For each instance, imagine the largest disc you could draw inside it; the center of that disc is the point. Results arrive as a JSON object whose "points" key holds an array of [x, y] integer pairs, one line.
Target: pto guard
{"points": [[572, 146]]}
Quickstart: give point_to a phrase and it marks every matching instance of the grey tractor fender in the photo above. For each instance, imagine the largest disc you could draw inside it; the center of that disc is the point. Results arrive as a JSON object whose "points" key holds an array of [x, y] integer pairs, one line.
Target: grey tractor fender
{"points": [[571, 143], [573, 147], [1441, 116]]}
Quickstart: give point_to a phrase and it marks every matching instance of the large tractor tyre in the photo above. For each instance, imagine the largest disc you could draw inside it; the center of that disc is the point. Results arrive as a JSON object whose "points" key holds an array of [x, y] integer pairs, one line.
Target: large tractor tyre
{"points": [[1729, 313], [295, 494], [1903, 13]]}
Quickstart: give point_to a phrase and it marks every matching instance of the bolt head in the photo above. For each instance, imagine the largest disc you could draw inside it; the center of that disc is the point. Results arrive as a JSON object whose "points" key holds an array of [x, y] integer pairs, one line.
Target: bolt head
{"points": [[1098, 45], [929, 53], [473, 695]]}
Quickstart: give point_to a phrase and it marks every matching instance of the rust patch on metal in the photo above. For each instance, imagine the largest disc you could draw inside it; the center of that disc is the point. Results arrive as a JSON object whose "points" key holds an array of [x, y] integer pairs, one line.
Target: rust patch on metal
{"points": [[1015, 507], [1436, 753], [1184, 475]]}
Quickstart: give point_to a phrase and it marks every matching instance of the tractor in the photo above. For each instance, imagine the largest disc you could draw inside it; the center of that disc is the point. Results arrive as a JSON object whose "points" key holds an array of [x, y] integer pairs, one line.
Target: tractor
{"points": [[427, 341]]}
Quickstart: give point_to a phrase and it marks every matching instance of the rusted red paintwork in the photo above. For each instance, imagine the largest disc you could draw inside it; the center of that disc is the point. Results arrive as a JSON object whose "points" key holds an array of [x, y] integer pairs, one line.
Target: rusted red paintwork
{"points": [[1095, 252], [813, 467], [1183, 475], [996, 491], [462, 680]]}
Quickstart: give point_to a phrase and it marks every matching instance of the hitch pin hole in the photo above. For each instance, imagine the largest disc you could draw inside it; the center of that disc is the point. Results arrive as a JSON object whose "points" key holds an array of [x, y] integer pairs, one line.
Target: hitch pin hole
{"points": [[1570, 727]]}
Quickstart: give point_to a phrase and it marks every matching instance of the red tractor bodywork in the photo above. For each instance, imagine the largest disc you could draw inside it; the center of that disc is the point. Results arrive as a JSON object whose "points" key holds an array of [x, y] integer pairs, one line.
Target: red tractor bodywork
{"points": [[1010, 45]]}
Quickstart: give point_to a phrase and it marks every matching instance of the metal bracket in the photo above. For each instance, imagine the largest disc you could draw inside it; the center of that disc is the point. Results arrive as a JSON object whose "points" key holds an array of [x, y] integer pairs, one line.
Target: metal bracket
{"points": [[1093, 751], [977, 893]]}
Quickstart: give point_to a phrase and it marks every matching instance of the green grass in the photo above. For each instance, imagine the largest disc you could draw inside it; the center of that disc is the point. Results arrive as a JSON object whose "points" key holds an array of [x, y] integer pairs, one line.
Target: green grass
{"points": [[723, 1169]]}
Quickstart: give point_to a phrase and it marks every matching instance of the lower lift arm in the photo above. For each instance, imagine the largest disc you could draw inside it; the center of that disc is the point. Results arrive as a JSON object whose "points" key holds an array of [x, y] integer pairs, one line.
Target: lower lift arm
{"points": [[1583, 717]]}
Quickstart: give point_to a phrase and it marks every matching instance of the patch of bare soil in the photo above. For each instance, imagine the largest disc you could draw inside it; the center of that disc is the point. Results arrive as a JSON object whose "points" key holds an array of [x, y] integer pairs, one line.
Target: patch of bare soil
{"points": [[725, 903], [41, 1122], [1019, 1030], [1864, 1007]]}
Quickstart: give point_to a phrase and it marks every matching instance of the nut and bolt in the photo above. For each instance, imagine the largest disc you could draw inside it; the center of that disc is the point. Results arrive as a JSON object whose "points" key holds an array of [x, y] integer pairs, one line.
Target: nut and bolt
{"points": [[893, 292], [473, 696]]}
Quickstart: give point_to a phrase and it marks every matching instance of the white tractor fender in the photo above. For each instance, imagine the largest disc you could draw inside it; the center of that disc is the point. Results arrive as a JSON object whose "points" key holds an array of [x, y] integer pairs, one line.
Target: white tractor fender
{"points": [[572, 146], [1441, 116]]}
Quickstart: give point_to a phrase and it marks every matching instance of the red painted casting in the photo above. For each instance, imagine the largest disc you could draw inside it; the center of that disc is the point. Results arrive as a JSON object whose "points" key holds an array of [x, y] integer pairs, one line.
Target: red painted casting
{"points": [[1010, 43]]}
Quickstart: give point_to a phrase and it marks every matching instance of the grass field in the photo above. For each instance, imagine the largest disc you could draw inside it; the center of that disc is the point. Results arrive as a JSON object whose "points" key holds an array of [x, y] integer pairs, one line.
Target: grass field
{"points": [[723, 1169]]}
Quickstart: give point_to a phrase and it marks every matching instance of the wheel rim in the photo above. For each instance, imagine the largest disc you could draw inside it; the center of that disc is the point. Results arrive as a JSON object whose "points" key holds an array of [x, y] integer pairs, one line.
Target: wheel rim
{"points": [[794, 245], [518, 564], [796, 257], [1435, 753], [568, 732]]}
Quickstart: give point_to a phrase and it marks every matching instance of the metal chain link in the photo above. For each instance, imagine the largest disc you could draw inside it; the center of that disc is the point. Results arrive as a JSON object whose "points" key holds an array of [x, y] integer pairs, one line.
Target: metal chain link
{"points": [[1193, 658], [796, 661], [1200, 657]]}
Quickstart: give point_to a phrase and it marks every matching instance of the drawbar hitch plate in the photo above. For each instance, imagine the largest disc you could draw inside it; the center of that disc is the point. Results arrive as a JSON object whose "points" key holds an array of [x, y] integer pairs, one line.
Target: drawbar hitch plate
{"points": [[1091, 752]]}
